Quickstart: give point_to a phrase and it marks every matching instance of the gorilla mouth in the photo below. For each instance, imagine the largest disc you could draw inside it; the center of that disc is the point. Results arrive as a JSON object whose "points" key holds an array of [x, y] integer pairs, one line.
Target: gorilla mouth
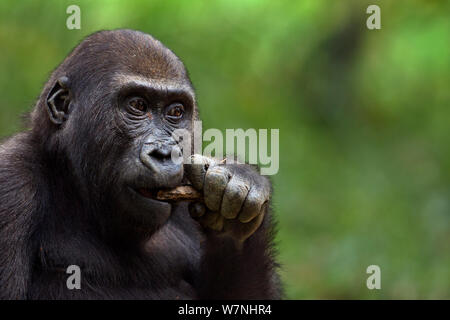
{"points": [[146, 200], [145, 193]]}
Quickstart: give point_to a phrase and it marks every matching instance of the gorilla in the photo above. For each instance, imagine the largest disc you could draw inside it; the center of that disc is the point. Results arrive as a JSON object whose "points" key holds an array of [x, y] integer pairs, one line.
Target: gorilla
{"points": [[77, 188]]}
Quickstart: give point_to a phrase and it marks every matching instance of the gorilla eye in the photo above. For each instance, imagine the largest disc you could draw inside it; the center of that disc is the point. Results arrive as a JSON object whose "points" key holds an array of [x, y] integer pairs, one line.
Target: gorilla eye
{"points": [[174, 112], [137, 104]]}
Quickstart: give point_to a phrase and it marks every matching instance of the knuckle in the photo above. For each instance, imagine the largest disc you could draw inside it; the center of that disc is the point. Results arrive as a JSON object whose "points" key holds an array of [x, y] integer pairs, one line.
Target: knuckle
{"points": [[215, 184], [235, 194], [236, 191], [253, 203], [251, 208], [216, 178]]}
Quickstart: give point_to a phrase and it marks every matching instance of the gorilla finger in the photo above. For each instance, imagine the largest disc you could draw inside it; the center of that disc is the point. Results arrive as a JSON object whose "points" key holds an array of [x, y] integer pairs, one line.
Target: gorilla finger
{"points": [[196, 209], [235, 194], [242, 231], [196, 170], [252, 205], [216, 180]]}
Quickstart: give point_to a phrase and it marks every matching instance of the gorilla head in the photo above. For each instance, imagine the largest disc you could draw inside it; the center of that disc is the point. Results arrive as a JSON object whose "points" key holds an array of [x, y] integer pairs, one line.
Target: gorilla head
{"points": [[110, 109], [78, 188]]}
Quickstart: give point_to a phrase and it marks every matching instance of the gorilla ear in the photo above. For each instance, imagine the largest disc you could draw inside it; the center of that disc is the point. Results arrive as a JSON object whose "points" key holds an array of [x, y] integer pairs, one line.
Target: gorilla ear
{"points": [[58, 101]]}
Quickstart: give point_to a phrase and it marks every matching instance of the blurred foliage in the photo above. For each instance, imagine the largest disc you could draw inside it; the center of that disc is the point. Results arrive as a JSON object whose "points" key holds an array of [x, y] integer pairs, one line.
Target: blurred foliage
{"points": [[363, 116]]}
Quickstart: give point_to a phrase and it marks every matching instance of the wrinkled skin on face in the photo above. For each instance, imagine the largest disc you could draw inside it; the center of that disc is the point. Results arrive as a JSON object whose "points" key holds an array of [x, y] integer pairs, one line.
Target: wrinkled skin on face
{"points": [[146, 165]]}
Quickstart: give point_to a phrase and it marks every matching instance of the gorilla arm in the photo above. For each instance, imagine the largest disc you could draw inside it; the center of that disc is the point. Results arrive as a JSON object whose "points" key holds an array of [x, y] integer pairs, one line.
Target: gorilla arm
{"points": [[238, 261], [17, 220]]}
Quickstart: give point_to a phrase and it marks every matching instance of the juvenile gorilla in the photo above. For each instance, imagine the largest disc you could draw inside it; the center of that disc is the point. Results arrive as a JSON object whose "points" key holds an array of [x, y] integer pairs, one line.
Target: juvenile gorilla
{"points": [[77, 189]]}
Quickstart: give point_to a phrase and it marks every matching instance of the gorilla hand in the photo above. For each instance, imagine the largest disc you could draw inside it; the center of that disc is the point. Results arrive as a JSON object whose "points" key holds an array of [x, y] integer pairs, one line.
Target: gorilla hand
{"points": [[236, 196]]}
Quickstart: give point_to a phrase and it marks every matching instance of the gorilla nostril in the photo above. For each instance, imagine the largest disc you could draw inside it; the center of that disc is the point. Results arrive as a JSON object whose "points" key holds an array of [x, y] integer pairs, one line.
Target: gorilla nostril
{"points": [[161, 151], [160, 154]]}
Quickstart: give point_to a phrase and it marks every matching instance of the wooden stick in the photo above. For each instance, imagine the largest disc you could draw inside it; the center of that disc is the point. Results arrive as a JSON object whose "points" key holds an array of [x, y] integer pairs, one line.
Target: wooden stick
{"points": [[180, 193]]}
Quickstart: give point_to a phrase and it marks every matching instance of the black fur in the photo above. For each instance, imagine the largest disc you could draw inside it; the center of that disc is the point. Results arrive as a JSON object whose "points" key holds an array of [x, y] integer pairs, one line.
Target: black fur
{"points": [[61, 205]]}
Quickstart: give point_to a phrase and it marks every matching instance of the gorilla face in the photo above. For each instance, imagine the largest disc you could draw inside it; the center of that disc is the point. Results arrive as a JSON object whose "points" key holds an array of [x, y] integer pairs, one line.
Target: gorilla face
{"points": [[115, 103], [148, 113]]}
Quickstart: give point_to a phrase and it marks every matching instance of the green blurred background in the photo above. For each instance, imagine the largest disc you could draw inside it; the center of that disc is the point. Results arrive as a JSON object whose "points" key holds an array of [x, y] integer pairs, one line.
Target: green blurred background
{"points": [[363, 116]]}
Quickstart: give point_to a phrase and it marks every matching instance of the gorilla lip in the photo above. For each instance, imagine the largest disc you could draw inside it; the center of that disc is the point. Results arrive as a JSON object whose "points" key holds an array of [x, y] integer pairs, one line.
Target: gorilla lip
{"points": [[151, 194], [148, 193]]}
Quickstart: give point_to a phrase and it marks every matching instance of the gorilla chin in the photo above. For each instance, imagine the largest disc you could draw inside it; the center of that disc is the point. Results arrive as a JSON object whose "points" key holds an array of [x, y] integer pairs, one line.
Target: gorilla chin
{"points": [[145, 211]]}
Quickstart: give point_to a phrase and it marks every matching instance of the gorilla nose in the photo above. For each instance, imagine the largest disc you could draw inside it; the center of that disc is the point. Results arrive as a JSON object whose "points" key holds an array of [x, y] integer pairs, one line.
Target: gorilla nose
{"points": [[161, 153], [158, 157]]}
